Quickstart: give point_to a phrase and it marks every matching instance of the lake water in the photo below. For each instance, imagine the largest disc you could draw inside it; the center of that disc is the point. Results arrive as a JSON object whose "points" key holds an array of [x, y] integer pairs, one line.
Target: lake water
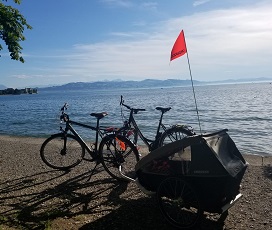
{"points": [[244, 109]]}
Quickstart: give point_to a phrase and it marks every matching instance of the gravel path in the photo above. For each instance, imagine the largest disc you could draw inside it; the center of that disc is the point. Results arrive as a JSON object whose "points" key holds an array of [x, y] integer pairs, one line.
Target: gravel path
{"points": [[33, 196]]}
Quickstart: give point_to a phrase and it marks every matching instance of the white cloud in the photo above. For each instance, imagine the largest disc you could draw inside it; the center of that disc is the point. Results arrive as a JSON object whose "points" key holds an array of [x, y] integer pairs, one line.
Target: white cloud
{"points": [[200, 2], [22, 76]]}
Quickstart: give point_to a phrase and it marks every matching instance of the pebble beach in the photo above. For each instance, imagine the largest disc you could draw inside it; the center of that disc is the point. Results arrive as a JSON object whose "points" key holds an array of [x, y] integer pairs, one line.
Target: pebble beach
{"points": [[34, 196]]}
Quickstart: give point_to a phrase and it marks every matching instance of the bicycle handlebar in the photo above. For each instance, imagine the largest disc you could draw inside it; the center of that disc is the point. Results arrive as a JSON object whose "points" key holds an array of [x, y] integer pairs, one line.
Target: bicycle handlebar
{"points": [[128, 107], [63, 115]]}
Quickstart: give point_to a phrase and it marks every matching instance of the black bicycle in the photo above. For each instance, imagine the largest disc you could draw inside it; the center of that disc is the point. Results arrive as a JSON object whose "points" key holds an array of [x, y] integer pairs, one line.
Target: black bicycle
{"points": [[131, 130], [67, 149]]}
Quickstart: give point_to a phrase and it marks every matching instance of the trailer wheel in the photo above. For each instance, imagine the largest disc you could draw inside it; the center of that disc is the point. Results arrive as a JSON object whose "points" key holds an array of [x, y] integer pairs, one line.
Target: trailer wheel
{"points": [[179, 203]]}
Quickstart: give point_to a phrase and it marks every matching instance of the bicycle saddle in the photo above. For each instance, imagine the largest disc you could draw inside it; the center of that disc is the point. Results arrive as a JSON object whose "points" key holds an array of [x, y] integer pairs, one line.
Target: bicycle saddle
{"points": [[99, 115], [163, 109]]}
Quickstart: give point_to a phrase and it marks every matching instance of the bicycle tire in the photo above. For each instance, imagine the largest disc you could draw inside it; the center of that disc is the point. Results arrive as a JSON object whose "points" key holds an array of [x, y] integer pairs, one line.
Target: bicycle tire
{"points": [[54, 156], [179, 203], [173, 134], [116, 150]]}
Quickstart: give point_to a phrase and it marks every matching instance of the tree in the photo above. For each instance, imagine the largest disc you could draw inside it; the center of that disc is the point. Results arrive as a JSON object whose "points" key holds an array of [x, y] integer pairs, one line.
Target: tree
{"points": [[12, 25]]}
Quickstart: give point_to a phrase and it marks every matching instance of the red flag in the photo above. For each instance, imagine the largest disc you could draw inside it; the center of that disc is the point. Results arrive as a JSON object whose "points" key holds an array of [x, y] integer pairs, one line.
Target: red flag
{"points": [[179, 47]]}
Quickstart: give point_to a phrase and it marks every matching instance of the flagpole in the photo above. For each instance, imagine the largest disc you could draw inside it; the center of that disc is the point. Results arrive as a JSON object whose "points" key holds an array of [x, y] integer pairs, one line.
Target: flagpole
{"points": [[192, 85]]}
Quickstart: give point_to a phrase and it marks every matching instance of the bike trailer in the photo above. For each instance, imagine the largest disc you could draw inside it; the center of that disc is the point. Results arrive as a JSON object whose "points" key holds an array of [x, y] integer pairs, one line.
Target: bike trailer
{"points": [[210, 164]]}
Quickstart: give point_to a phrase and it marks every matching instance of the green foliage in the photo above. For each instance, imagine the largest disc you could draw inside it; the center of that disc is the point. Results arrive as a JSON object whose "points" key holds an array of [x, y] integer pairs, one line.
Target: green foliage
{"points": [[12, 25]]}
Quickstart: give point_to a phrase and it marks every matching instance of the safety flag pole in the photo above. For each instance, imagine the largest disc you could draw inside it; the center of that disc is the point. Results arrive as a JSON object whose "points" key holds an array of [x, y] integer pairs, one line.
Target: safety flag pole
{"points": [[179, 49]]}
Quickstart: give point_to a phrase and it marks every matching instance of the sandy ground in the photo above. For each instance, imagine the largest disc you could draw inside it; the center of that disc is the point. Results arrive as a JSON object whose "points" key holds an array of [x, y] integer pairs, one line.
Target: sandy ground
{"points": [[34, 196]]}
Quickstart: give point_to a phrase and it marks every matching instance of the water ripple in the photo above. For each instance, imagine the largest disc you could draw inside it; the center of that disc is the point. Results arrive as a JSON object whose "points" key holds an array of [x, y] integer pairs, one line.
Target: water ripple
{"points": [[242, 108]]}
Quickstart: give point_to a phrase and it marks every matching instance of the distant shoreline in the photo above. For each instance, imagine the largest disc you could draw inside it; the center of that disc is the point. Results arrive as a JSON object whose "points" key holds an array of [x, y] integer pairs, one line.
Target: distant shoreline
{"points": [[12, 91], [147, 83]]}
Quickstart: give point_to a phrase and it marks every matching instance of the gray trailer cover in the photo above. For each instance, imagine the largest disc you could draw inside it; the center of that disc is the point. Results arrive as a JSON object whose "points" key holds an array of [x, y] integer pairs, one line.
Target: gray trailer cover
{"points": [[212, 154]]}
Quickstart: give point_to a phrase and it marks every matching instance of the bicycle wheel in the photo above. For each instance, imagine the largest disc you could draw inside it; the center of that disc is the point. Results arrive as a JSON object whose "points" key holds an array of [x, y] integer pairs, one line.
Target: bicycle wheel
{"points": [[116, 150], [174, 134], [178, 203], [56, 156]]}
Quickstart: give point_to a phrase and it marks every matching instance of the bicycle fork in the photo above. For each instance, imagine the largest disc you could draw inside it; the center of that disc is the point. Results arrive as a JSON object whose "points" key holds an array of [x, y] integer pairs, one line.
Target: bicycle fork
{"points": [[63, 150]]}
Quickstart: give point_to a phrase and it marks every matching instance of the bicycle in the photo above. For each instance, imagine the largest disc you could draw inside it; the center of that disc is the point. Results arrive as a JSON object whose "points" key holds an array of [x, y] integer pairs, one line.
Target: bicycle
{"points": [[131, 130], [66, 149]]}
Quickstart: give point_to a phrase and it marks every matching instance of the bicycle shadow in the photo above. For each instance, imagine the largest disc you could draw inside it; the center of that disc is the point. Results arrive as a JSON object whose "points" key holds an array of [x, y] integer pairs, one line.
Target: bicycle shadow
{"points": [[32, 202]]}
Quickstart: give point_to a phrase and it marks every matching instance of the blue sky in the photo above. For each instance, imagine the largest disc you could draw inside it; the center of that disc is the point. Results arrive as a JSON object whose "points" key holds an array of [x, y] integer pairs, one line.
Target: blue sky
{"points": [[97, 40]]}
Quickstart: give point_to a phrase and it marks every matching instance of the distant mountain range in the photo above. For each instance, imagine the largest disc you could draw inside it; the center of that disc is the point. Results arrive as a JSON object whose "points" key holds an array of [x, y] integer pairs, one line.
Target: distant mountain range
{"points": [[148, 83]]}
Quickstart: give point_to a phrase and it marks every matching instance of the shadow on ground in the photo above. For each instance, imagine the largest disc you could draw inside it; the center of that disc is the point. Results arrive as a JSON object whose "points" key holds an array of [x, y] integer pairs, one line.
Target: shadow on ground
{"points": [[64, 200], [267, 171]]}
